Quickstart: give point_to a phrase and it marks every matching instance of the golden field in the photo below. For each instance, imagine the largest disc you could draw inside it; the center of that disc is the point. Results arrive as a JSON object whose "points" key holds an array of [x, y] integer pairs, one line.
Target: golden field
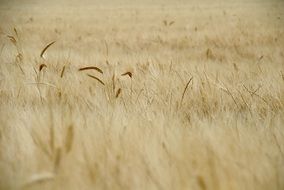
{"points": [[142, 95]]}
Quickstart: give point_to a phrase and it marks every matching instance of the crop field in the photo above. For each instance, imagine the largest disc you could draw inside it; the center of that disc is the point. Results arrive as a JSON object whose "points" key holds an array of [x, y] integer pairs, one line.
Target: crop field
{"points": [[162, 95]]}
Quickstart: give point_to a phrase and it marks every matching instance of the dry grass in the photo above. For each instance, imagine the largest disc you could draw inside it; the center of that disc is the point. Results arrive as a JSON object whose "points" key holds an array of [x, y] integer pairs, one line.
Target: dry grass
{"points": [[180, 95]]}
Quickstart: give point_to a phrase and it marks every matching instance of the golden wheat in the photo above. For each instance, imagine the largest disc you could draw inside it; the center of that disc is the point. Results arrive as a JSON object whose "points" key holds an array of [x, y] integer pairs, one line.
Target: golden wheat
{"points": [[142, 95]]}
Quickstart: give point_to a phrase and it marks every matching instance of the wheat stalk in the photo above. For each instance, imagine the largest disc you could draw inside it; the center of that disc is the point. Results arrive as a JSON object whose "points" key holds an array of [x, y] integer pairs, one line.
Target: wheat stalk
{"points": [[165, 22], [62, 71], [39, 178], [69, 138], [46, 47], [43, 83], [171, 23], [91, 68], [186, 86], [16, 32], [42, 66], [106, 49], [57, 159], [127, 73], [113, 82], [96, 79], [118, 93], [12, 39]]}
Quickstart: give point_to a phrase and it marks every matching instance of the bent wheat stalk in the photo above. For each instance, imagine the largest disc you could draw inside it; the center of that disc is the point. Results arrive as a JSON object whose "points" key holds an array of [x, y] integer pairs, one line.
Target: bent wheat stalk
{"points": [[46, 47], [187, 84], [96, 79], [91, 68], [127, 73], [42, 66]]}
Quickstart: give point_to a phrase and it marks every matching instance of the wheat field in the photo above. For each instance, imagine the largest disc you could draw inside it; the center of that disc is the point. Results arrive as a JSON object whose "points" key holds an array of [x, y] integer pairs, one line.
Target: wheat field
{"points": [[142, 95]]}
